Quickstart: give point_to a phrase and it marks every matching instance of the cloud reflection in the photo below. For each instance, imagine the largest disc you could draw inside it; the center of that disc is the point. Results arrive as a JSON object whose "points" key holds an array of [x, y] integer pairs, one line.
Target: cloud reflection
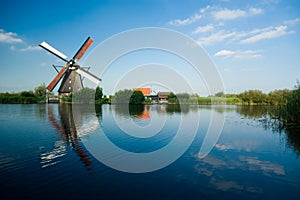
{"points": [[219, 171], [254, 164]]}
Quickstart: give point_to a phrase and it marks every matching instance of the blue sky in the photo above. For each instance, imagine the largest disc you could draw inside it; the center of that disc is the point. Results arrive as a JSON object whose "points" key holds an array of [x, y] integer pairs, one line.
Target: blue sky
{"points": [[254, 44]]}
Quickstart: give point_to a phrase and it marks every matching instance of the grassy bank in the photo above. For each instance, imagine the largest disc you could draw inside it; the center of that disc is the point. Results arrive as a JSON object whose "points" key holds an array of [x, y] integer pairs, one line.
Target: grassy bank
{"points": [[20, 100], [219, 101], [24, 97]]}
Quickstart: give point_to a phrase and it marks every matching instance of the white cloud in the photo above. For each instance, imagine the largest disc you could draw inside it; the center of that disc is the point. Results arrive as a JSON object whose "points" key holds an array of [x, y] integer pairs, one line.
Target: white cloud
{"points": [[31, 48], [224, 53], [215, 37], [203, 29], [13, 38], [248, 54], [28, 48], [182, 22], [292, 22], [226, 14], [203, 10], [243, 37], [274, 32], [9, 37], [191, 19], [255, 11]]}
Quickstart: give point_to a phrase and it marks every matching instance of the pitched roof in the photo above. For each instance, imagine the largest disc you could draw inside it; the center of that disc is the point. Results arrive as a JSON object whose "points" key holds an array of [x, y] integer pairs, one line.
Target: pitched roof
{"points": [[145, 91]]}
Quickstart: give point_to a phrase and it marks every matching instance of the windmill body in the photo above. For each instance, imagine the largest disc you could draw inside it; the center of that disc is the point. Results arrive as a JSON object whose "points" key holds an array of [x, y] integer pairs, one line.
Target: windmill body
{"points": [[70, 83], [71, 73]]}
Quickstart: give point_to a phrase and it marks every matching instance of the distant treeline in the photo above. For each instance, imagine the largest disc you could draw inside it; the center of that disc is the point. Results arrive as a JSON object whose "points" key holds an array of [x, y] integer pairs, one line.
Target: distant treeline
{"points": [[24, 97], [249, 97]]}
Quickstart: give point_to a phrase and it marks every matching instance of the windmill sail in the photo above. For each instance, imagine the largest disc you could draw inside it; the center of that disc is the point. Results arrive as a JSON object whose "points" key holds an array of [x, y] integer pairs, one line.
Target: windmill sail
{"points": [[83, 48], [54, 51], [89, 76], [57, 78]]}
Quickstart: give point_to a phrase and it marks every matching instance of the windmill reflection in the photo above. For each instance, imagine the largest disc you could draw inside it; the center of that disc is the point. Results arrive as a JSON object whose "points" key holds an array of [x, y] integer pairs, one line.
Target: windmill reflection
{"points": [[68, 122]]}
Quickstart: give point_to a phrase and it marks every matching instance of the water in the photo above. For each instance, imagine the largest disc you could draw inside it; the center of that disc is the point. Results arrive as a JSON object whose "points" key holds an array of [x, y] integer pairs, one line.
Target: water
{"points": [[45, 153]]}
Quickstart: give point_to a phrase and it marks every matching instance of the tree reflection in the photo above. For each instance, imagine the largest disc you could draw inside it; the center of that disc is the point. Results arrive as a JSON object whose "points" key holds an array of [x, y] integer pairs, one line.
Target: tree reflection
{"points": [[253, 111], [291, 132], [268, 120], [98, 110], [293, 138], [265, 115], [177, 108], [138, 111], [135, 111]]}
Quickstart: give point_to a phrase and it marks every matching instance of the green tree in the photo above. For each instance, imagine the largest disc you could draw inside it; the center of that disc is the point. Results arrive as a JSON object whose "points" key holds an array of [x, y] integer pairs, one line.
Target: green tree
{"points": [[85, 95], [231, 95], [27, 94], [122, 96], [40, 91], [253, 96], [183, 96], [258, 97], [245, 96], [98, 94], [219, 94], [193, 99], [137, 98], [172, 98], [147, 101], [171, 95], [278, 97], [107, 99]]}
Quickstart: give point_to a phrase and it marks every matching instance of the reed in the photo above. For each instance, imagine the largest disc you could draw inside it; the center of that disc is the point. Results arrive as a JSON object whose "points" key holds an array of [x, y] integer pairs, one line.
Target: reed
{"points": [[289, 113]]}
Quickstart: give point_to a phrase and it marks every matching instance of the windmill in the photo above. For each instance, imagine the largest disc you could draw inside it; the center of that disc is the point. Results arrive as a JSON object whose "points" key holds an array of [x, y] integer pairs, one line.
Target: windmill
{"points": [[71, 72]]}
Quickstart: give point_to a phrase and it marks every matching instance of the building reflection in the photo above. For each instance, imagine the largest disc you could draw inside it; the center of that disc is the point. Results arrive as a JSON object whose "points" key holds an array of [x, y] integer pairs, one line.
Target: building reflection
{"points": [[144, 111], [135, 111], [140, 111], [67, 120]]}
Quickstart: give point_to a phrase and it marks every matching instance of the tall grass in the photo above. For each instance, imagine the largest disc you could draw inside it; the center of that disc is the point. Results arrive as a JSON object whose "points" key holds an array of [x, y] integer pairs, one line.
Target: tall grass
{"points": [[289, 113]]}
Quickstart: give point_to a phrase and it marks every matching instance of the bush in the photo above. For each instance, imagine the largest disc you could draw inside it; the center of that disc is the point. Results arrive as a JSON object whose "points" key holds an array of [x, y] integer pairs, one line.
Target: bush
{"points": [[137, 98]]}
